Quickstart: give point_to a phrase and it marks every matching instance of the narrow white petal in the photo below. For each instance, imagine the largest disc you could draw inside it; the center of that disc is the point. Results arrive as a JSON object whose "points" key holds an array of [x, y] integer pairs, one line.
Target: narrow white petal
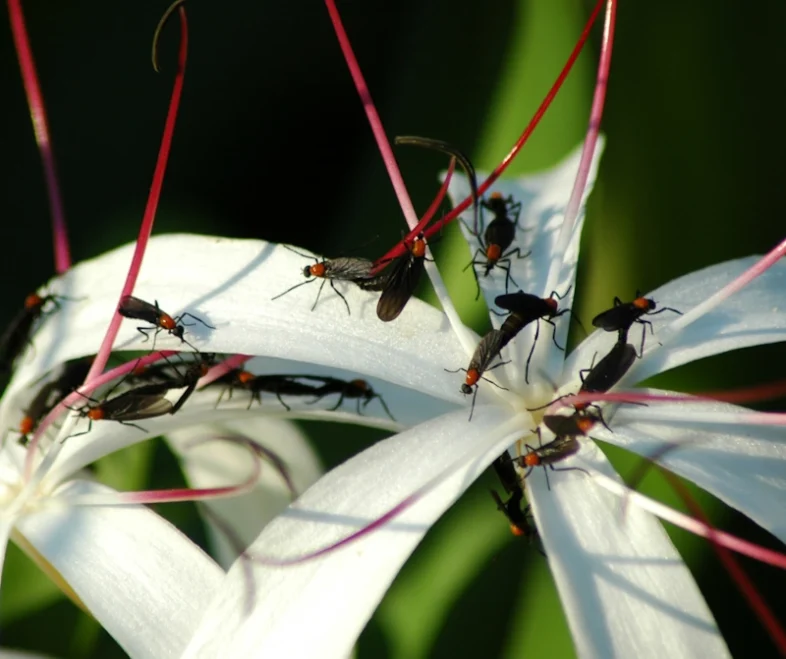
{"points": [[210, 463], [142, 579], [230, 285], [744, 466], [544, 197], [754, 316], [21, 654], [335, 595], [625, 589]]}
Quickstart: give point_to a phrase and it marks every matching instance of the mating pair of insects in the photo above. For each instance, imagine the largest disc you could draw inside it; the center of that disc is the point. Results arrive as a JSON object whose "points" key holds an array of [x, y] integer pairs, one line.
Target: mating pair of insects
{"points": [[526, 308]]}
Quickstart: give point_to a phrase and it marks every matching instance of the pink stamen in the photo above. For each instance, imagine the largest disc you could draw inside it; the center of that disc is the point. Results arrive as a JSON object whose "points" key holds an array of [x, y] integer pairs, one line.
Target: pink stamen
{"points": [[761, 266], [373, 118], [35, 102], [552, 93], [690, 524], [432, 209], [596, 113], [152, 201], [183, 493], [79, 396], [755, 394], [746, 587], [220, 370]]}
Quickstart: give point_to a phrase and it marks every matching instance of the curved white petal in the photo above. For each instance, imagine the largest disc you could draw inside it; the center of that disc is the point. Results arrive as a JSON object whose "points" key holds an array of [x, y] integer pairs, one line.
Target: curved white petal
{"points": [[625, 589], [211, 463], [544, 197], [229, 284], [106, 437], [22, 654], [742, 465], [144, 581], [753, 316], [335, 595]]}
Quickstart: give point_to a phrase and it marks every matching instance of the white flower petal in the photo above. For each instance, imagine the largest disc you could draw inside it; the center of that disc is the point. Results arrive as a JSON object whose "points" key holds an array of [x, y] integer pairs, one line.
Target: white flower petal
{"points": [[230, 285], [743, 466], [337, 593], [144, 581], [22, 654], [753, 316], [544, 197], [210, 463], [625, 590]]}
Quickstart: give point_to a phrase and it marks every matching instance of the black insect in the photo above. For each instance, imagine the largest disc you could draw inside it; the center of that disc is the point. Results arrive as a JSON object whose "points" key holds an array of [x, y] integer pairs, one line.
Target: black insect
{"points": [[133, 307], [403, 274], [487, 351], [50, 394], [622, 315], [608, 371], [358, 389], [17, 334], [602, 376], [497, 238], [518, 518], [526, 308], [567, 430], [146, 401], [345, 268], [280, 385]]}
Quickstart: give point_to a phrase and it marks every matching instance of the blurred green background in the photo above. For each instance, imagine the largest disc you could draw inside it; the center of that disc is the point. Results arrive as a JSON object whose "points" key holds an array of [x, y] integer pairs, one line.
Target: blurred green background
{"points": [[692, 175]]}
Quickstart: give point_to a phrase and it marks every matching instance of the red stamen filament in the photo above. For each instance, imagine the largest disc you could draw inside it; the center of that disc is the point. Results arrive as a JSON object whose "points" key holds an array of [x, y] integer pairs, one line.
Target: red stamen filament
{"points": [[35, 102], [152, 201]]}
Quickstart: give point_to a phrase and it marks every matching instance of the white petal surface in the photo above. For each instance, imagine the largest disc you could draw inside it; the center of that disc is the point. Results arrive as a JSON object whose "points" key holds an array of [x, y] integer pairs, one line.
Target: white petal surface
{"points": [[544, 198], [318, 608], [229, 284], [210, 463], [753, 316], [744, 466], [144, 581], [625, 589]]}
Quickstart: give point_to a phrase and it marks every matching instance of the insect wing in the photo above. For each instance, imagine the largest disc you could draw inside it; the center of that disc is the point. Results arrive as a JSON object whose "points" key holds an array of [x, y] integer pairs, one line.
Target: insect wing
{"points": [[609, 370], [133, 405], [559, 449], [616, 318], [524, 304], [348, 268], [133, 307], [16, 336], [404, 276], [488, 350]]}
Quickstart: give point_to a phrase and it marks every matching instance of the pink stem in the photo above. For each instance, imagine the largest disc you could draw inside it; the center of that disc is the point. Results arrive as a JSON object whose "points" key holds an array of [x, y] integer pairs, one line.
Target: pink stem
{"points": [[219, 370], [596, 113], [690, 524], [382, 262], [373, 118], [35, 102], [746, 587], [758, 268], [755, 418], [152, 201], [552, 93]]}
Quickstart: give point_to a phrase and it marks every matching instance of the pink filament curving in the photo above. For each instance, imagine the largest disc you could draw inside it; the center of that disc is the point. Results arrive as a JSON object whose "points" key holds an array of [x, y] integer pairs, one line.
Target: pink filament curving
{"points": [[152, 201], [35, 102]]}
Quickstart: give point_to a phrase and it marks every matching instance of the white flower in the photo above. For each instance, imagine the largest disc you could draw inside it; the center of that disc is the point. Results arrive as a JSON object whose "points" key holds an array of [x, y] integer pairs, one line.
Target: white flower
{"points": [[606, 569]]}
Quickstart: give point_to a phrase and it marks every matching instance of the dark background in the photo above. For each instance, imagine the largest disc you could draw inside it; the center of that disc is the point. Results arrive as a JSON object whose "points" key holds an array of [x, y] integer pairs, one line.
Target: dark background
{"points": [[692, 175]]}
